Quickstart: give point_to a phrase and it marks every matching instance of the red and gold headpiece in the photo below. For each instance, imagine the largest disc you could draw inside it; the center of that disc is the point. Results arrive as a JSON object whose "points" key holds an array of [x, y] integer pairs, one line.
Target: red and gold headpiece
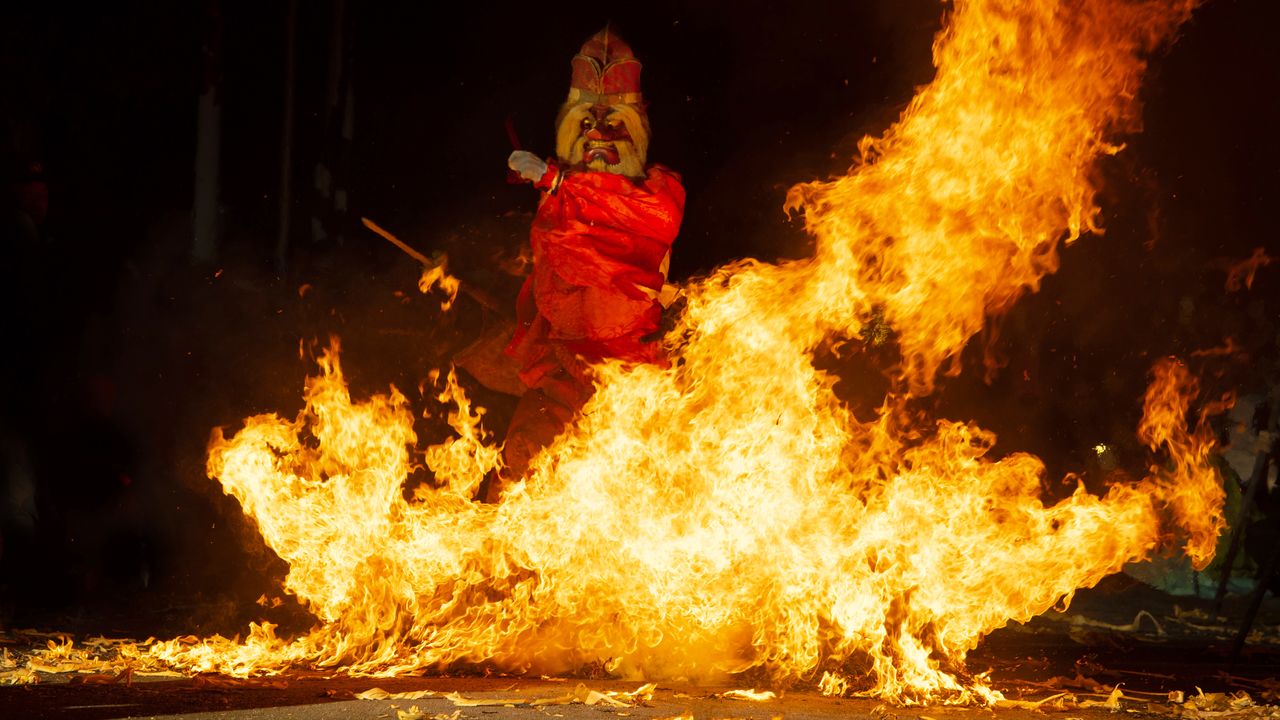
{"points": [[605, 72], [603, 126]]}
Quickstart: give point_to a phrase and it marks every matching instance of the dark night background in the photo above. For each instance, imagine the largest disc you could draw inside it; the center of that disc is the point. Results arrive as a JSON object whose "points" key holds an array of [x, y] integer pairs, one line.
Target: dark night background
{"points": [[122, 353]]}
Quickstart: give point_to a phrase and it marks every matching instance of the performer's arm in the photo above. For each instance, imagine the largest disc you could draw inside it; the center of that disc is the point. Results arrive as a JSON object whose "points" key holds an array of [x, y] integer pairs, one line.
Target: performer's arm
{"points": [[652, 207]]}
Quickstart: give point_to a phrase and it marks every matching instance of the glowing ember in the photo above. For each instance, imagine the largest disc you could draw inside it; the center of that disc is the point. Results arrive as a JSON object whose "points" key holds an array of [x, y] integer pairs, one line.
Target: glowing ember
{"points": [[730, 513]]}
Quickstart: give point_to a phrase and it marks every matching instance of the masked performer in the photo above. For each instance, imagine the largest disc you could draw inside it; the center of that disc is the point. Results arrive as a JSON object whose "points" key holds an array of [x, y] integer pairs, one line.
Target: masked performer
{"points": [[601, 243]]}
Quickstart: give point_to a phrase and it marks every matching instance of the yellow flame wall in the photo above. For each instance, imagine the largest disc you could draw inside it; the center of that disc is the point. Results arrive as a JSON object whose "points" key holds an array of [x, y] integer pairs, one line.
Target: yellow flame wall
{"points": [[968, 196], [729, 512]]}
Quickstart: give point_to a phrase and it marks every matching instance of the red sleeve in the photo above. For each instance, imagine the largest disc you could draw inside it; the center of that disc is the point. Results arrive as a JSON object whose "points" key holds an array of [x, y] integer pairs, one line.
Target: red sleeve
{"points": [[550, 179]]}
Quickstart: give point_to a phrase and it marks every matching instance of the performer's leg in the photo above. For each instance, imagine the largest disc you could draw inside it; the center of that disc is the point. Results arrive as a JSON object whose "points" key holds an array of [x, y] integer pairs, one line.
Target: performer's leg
{"points": [[537, 421]]}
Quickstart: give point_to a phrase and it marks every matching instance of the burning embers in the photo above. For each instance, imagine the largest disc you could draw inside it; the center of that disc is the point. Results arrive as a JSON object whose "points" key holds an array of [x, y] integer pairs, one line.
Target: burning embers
{"points": [[729, 512]]}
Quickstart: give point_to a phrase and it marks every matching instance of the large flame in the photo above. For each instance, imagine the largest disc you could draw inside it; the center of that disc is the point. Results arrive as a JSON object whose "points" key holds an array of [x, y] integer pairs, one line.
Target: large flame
{"points": [[730, 513]]}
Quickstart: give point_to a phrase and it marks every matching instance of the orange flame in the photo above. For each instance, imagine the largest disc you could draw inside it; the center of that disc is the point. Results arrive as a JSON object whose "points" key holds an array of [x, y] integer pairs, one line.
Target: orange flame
{"points": [[437, 275], [729, 512], [961, 207], [1240, 275]]}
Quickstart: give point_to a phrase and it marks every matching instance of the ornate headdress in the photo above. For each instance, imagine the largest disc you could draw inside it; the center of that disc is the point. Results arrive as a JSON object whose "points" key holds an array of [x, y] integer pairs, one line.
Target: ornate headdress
{"points": [[605, 72]]}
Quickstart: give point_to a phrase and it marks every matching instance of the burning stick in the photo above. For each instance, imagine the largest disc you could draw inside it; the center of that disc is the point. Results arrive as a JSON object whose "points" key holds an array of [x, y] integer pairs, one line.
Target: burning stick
{"points": [[426, 261], [435, 272]]}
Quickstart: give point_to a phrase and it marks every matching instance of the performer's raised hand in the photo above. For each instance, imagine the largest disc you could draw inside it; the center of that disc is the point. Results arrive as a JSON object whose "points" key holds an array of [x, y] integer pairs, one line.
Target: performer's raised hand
{"points": [[529, 166]]}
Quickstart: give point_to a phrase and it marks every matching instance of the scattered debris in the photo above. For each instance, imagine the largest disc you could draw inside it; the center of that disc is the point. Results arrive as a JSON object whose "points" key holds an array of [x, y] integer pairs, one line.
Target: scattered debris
{"points": [[21, 676], [1033, 704], [1133, 627], [1079, 682], [1112, 702], [752, 695], [460, 701], [586, 696], [414, 713], [125, 675], [380, 694]]}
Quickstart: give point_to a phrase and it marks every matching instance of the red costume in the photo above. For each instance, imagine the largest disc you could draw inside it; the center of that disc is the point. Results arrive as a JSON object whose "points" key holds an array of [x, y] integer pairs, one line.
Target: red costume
{"points": [[601, 241]]}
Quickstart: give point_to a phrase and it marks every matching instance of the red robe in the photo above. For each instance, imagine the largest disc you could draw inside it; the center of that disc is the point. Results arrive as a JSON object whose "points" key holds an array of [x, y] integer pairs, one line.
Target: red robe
{"points": [[598, 239]]}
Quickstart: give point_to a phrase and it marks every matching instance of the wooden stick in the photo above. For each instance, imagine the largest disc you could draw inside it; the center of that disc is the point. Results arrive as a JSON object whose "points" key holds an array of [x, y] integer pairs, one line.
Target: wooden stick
{"points": [[474, 293], [397, 242]]}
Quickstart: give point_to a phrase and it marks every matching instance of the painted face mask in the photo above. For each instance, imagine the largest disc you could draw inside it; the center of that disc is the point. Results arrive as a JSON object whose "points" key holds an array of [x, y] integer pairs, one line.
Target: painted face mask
{"points": [[602, 126]]}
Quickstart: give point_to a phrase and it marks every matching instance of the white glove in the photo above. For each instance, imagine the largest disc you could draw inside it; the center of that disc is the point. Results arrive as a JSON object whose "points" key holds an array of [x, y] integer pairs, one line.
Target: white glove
{"points": [[529, 166]]}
